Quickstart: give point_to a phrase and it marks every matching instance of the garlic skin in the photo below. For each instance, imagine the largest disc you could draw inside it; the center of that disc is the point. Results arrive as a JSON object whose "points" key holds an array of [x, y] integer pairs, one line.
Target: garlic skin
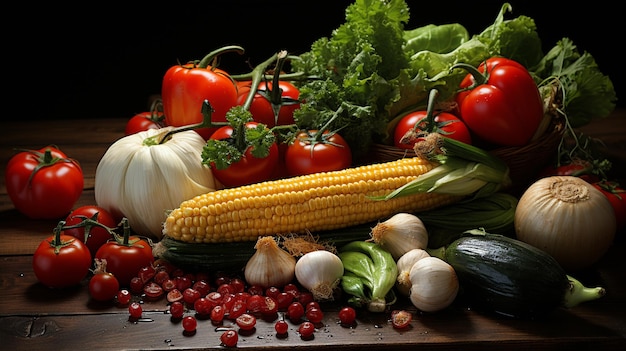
{"points": [[270, 265], [142, 182], [435, 284], [405, 263], [319, 272], [568, 218], [400, 234]]}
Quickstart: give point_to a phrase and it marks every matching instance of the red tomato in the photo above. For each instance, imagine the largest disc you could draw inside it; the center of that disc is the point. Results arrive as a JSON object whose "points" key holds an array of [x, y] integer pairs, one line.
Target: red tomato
{"points": [[313, 153], [306, 330], [143, 121], [44, 183], [246, 321], [578, 168], [186, 87], [503, 106], [448, 125], [266, 99], [61, 261], [103, 287], [248, 169], [97, 235], [347, 316], [126, 257], [617, 197], [401, 319], [229, 338]]}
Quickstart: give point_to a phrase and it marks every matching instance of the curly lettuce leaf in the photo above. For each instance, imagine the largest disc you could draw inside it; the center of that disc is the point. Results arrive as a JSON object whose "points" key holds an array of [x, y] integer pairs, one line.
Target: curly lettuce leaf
{"points": [[355, 66], [516, 39], [436, 38], [586, 92]]}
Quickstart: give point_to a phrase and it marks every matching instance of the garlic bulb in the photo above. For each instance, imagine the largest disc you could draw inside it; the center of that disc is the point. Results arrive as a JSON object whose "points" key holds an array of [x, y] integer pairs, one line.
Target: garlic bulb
{"points": [[568, 218], [434, 284], [270, 265], [400, 234], [404, 264], [140, 179], [319, 272]]}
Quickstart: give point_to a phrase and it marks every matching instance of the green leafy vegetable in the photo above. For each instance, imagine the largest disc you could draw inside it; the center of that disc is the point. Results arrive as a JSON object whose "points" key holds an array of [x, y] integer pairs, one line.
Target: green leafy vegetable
{"points": [[372, 70], [586, 92]]}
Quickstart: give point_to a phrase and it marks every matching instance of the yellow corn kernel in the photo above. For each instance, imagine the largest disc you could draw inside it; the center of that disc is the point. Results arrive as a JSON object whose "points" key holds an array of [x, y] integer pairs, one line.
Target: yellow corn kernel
{"points": [[315, 202]]}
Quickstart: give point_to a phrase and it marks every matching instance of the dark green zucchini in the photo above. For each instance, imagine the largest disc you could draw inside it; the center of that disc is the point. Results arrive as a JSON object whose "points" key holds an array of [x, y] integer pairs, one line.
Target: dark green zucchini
{"points": [[509, 277], [232, 257]]}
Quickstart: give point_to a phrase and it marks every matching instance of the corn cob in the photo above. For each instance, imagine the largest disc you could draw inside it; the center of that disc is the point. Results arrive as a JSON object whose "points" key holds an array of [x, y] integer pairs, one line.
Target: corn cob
{"points": [[315, 202]]}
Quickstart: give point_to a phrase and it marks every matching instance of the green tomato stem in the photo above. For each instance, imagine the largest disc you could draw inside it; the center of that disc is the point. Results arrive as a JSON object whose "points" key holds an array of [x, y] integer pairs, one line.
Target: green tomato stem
{"points": [[213, 55]]}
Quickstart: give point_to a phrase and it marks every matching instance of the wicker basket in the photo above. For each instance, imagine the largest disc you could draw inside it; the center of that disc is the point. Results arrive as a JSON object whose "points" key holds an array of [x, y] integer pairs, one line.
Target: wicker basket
{"points": [[524, 162]]}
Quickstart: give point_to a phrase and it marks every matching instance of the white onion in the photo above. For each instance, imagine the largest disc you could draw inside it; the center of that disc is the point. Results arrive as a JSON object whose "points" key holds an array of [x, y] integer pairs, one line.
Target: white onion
{"points": [[568, 218], [319, 272]]}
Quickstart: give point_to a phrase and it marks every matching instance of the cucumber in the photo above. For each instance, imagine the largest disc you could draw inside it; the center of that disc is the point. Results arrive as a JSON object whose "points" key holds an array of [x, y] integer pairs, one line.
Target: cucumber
{"points": [[508, 277]]}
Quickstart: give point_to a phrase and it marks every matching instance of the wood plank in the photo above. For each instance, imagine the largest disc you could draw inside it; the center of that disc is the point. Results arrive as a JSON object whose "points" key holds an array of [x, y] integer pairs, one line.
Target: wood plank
{"points": [[430, 332]]}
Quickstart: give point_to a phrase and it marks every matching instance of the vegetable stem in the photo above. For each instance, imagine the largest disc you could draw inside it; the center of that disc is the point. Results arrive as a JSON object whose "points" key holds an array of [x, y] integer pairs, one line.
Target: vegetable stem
{"points": [[213, 55], [578, 293]]}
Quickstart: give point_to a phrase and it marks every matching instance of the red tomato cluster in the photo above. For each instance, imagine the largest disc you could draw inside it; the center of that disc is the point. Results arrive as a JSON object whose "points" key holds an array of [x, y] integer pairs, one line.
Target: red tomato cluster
{"points": [[270, 106], [95, 236]]}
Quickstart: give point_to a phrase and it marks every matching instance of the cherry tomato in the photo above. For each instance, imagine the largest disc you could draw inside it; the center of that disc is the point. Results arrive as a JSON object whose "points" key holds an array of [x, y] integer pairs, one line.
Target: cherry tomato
{"points": [[153, 290], [229, 338], [281, 327], [143, 121], [186, 87], [313, 152], [577, 168], [217, 313], [255, 303], [61, 261], [135, 310], [314, 315], [347, 315], [401, 319], [177, 309], [617, 197], [126, 257], [123, 296], [266, 99], [174, 295], [295, 311], [190, 323], [447, 124], [269, 307], [97, 235], [246, 321], [306, 330], [44, 183], [103, 287], [248, 169]]}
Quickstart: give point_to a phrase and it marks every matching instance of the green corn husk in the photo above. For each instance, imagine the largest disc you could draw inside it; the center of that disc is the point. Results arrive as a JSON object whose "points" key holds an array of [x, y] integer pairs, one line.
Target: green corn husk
{"points": [[464, 170], [494, 213]]}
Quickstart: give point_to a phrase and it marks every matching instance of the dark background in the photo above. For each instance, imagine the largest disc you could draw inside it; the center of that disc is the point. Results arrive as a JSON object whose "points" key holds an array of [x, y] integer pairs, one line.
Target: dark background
{"points": [[106, 61]]}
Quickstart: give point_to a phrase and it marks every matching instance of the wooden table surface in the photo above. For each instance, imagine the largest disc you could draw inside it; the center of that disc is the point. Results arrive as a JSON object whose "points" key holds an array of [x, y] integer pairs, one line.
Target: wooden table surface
{"points": [[33, 317]]}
